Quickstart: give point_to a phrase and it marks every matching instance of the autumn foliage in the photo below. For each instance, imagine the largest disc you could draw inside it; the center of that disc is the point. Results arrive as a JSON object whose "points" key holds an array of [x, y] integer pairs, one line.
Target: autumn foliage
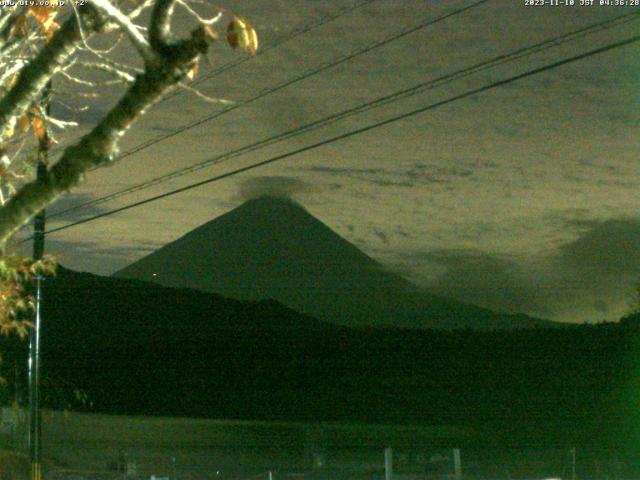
{"points": [[16, 301], [16, 272]]}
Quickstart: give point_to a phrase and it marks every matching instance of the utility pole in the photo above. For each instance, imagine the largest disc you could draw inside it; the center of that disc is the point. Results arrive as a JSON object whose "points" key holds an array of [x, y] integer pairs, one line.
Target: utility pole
{"points": [[35, 427]]}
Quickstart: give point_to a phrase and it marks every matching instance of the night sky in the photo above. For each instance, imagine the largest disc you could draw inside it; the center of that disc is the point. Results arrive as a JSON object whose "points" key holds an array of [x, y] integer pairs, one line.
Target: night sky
{"points": [[522, 198]]}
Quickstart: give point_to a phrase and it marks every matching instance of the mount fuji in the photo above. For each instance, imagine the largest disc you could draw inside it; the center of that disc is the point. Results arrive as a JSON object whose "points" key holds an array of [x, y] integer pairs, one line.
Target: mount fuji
{"points": [[272, 248]]}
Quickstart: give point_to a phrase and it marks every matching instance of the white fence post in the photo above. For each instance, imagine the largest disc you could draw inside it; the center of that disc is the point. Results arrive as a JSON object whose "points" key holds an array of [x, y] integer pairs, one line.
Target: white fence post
{"points": [[457, 464], [388, 464]]}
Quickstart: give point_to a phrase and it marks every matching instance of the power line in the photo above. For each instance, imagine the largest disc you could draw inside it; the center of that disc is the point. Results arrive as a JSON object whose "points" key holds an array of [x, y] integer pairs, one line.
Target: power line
{"points": [[358, 131], [293, 34], [376, 103], [286, 83], [303, 76], [339, 60]]}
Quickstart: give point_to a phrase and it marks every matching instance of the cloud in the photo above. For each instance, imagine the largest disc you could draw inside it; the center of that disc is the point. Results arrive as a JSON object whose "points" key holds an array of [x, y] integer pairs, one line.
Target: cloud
{"points": [[274, 186], [604, 248], [381, 235], [101, 252], [281, 116], [92, 257], [489, 281], [588, 278], [70, 201], [416, 174], [53, 220], [376, 176]]}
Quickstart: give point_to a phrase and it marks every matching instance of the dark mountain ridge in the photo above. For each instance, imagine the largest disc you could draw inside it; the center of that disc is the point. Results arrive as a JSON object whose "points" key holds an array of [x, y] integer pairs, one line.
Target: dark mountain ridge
{"points": [[139, 348]]}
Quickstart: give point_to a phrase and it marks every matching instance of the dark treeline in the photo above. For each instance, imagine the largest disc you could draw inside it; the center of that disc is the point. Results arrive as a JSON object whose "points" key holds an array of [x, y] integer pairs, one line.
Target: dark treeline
{"points": [[136, 348]]}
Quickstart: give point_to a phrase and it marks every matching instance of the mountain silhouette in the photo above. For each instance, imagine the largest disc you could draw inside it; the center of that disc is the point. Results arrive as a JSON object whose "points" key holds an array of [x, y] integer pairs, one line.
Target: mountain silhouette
{"points": [[271, 247], [136, 347]]}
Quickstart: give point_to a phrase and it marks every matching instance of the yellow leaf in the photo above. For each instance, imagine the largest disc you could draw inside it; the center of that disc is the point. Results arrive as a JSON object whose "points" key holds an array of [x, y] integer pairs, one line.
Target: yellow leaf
{"points": [[42, 13], [9, 131], [39, 128], [50, 28], [241, 34], [45, 15], [191, 74], [24, 123], [19, 28]]}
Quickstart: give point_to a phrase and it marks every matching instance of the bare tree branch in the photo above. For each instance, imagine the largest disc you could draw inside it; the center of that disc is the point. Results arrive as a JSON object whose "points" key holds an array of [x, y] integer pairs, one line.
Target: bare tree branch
{"points": [[99, 146], [7, 21], [197, 16], [160, 31], [204, 97], [34, 77], [137, 39], [110, 69], [135, 13], [33, 48]]}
